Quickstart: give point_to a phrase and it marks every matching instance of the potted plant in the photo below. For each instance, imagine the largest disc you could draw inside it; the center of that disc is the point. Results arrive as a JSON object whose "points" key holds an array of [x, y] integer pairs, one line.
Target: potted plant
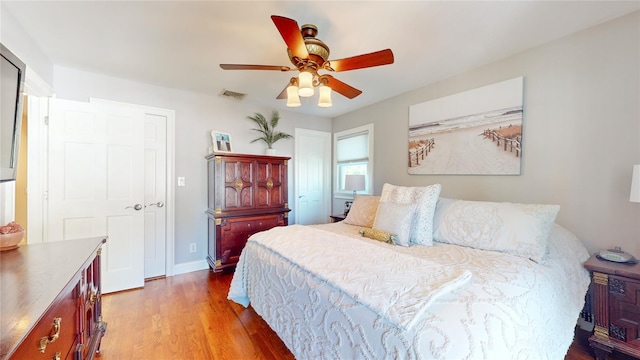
{"points": [[267, 131]]}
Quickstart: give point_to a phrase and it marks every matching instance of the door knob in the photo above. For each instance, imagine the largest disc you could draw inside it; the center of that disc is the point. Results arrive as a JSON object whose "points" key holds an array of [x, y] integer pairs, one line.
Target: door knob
{"points": [[135, 207], [158, 204]]}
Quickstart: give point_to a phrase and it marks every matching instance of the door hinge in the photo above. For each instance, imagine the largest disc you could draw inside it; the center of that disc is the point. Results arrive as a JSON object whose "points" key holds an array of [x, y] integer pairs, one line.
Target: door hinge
{"points": [[46, 195], [46, 120]]}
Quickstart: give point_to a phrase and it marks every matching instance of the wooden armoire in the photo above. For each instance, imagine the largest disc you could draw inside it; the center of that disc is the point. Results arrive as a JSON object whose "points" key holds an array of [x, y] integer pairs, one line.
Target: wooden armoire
{"points": [[246, 194]]}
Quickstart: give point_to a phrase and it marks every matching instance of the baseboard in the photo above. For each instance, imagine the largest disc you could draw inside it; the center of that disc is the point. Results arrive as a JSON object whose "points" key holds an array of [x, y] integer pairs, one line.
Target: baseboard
{"points": [[190, 267]]}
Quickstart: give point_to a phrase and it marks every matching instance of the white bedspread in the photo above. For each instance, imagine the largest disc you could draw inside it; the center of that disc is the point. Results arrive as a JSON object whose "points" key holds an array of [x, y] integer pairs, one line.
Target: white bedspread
{"points": [[399, 287], [512, 308]]}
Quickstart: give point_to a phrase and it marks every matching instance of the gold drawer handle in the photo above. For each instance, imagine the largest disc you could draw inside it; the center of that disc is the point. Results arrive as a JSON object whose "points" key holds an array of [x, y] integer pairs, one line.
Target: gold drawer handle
{"points": [[269, 184], [239, 184], [52, 337], [94, 296]]}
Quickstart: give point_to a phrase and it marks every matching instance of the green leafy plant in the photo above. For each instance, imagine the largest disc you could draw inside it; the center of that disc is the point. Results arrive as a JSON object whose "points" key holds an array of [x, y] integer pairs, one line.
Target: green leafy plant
{"points": [[266, 128]]}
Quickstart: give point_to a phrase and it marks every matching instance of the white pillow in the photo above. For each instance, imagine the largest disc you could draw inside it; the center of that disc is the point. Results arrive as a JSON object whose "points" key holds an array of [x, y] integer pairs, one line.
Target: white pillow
{"points": [[395, 219], [425, 198], [363, 211], [518, 229]]}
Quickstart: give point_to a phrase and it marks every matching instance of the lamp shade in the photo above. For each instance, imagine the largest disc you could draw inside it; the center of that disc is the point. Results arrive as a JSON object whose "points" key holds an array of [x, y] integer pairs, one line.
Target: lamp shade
{"points": [[635, 184], [305, 80], [293, 100], [354, 182], [324, 98]]}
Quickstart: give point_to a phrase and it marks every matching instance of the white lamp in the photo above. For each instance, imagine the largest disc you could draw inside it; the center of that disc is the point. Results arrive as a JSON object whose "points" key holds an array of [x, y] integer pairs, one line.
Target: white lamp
{"points": [[293, 100], [324, 98], [354, 182], [635, 184], [305, 81]]}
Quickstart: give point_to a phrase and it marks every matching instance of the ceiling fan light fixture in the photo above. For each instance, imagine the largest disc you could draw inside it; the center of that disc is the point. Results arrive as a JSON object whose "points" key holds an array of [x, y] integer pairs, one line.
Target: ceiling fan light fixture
{"points": [[293, 100], [305, 79], [324, 98]]}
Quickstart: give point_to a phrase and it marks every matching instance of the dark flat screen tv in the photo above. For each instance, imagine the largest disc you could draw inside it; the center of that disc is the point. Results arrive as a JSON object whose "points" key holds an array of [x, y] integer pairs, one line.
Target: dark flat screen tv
{"points": [[12, 73]]}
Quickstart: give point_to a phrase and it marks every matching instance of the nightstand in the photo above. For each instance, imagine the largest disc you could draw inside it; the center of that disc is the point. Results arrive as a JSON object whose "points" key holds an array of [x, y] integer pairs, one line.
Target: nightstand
{"points": [[616, 289], [337, 217]]}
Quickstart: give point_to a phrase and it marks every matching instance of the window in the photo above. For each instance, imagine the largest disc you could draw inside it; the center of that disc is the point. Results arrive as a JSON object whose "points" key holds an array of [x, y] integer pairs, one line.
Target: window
{"points": [[353, 151]]}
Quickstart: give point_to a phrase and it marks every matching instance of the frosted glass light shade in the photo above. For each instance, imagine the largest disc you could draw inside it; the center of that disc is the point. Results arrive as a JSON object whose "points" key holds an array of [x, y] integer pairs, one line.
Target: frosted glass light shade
{"points": [[292, 96], [305, 80], [324, 99], [635, 184]]}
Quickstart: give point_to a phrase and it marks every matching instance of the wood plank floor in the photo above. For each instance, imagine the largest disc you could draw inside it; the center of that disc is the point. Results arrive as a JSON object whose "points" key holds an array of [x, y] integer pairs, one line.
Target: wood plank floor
{"points": [[189, 317]]}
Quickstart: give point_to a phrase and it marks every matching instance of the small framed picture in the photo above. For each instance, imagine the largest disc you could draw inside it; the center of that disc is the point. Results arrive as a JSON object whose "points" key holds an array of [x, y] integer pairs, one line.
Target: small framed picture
{"points": [[221, 141]]}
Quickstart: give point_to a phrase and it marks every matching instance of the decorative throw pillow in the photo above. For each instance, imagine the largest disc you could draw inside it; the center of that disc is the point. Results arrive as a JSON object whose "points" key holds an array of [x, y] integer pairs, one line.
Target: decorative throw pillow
{"points": [[396, 219], [363, 211], [518, 229], [425, 199], [379, 235]]}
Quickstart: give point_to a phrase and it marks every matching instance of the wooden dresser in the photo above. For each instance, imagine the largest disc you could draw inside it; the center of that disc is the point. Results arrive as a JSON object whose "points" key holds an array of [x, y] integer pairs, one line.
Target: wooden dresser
{"points": [[616, 289], [246, 194], [50, 300]]}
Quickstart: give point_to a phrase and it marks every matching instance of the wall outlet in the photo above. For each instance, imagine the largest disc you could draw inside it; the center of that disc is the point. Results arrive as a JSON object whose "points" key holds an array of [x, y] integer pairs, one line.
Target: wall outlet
{"points": [[192, 247], [181, 181]]}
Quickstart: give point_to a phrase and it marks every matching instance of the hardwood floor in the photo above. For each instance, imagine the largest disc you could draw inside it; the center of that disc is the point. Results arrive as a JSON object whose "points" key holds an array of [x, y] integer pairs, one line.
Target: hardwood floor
{"points": [[185, 317], [189, 317]]}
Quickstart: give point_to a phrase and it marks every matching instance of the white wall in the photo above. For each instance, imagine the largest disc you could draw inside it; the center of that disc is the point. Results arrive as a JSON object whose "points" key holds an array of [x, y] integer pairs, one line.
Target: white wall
{"points": [[581, 133], [15, 38], [196, 116]]}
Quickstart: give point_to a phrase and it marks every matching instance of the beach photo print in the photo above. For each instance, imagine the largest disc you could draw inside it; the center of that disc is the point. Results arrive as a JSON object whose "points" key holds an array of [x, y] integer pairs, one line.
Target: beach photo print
{"points": [[475, 132]]}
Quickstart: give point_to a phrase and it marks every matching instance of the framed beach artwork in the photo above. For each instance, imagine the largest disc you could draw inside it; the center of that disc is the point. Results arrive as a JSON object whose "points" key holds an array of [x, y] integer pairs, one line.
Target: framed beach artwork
{"points": [[476, 132], [221, 141]]}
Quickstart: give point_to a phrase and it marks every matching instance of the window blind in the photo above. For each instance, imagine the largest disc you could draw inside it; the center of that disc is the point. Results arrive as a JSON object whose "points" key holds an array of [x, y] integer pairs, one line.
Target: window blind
{"points": [[353, 147]]}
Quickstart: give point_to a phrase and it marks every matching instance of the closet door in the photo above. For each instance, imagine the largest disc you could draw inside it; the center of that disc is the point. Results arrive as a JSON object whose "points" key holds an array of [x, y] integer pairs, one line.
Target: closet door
{"points": [[96, 187]]}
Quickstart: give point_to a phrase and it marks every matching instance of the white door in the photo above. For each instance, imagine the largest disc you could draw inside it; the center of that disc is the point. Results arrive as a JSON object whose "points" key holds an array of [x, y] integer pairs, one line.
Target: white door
{"points": [[96, 168], [156, 192], [155, 187], [312, 176]]}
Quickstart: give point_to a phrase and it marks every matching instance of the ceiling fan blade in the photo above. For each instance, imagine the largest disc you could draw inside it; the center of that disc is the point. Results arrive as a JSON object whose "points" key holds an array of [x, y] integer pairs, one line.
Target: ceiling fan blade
{"points": [[283, 94], [254, 67], [340, 87], [382, 57], [291, 35]]}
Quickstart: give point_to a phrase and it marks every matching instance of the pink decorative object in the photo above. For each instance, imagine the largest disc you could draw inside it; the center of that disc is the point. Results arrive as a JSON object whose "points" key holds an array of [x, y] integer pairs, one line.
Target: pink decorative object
{"points": [[10, 235]]}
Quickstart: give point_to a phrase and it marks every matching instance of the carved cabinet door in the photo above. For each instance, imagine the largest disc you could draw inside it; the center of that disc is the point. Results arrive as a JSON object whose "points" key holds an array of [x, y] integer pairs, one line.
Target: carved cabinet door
{"points": [[624, 315], [238, 184], [271, 182]]}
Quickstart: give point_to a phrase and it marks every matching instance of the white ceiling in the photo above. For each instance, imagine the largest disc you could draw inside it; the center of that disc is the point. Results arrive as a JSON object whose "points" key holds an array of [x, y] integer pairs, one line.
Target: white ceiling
{"points": [[179, 44]]}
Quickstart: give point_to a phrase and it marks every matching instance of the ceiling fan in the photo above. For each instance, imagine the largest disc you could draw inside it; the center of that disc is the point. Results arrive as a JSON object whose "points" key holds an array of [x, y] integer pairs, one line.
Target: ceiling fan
{"points": [[310, 55]]}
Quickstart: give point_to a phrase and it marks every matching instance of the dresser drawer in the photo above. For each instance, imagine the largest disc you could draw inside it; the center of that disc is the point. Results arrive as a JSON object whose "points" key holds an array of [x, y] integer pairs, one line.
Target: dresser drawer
{"points": [[264, 223], [61, 319], [236, 232]]}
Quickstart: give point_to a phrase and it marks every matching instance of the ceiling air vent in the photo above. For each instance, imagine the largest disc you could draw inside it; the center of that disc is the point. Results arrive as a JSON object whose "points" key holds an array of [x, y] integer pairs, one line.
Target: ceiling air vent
{"points": [[232, 94]]}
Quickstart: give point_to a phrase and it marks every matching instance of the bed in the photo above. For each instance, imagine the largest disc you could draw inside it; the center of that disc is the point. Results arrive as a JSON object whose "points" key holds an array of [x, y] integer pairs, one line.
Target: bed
{"points": [[478, 280]]}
